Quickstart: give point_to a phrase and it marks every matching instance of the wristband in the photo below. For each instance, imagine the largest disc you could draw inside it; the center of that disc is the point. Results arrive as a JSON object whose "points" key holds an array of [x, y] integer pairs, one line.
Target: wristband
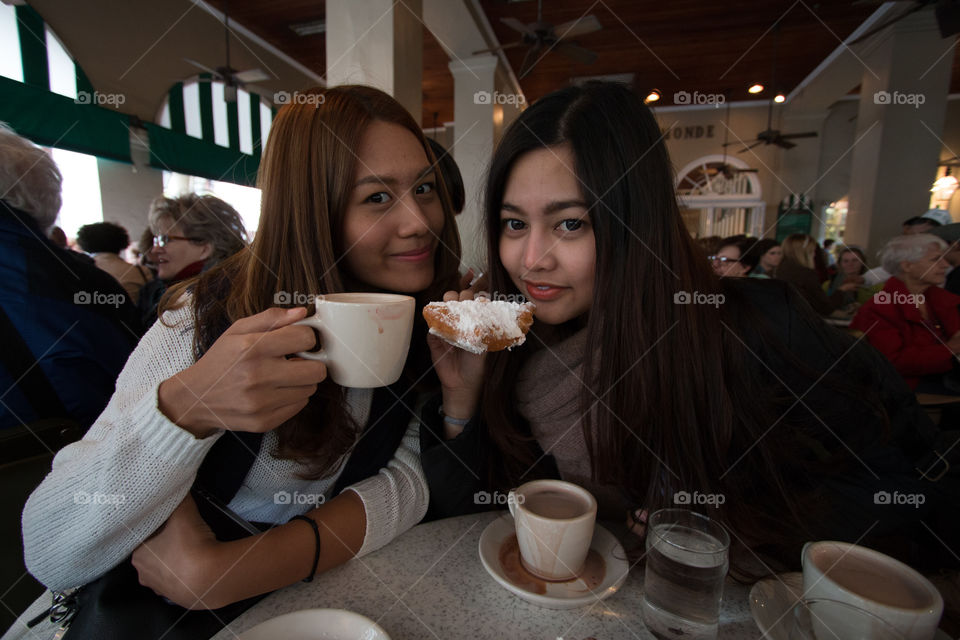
{"points": [[316, 536], [458, 422]]}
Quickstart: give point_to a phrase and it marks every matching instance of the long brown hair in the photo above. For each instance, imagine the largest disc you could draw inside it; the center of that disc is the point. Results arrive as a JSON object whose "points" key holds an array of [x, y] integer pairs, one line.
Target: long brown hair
{"points": [[673, 396], [306, 179], [799, 248]]}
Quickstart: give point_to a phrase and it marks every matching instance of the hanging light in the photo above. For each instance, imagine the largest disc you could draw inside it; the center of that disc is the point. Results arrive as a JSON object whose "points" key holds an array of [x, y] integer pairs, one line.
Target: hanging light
{"points": [[944, 187], [755, 88], [779, 98], [653, 96]]}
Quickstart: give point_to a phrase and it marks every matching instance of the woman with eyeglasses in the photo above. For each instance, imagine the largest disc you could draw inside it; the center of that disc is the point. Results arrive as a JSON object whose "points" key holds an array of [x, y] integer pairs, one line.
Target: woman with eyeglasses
{"points": [[733, 258], [191, 234]]}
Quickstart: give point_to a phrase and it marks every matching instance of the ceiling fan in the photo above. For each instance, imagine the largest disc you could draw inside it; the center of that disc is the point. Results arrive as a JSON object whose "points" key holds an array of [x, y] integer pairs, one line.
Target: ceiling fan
{"points": [[230, 77], [728, 171], [771, 135], [543, 37]]}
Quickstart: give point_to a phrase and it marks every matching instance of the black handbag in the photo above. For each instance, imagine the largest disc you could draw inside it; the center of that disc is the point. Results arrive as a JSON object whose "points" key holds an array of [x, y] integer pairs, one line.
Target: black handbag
{"points": [[117, 607]]}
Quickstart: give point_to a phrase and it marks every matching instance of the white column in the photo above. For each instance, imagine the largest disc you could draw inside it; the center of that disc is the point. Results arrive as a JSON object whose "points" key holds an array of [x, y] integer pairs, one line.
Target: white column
{"points": [[377, 43], [903, 98], [473, 108], [126, 190]]}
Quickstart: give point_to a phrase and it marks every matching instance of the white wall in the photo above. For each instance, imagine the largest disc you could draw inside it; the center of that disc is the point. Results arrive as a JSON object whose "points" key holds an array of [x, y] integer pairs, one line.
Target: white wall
{"points": [[127, 190], [823, 162], [698, 133]]}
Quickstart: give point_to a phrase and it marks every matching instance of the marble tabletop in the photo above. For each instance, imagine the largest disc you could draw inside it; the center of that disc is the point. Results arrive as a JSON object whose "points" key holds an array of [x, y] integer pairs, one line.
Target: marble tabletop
{"points": [[429, 583]]}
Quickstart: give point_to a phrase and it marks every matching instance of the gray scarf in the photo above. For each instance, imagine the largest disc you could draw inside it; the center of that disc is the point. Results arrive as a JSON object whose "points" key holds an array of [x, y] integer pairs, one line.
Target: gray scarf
{"points": [[548, 397]]}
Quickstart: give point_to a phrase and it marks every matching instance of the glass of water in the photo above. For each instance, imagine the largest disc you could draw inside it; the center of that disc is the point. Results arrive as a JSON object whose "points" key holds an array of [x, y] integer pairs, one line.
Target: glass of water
{"points": [[687, 561]]}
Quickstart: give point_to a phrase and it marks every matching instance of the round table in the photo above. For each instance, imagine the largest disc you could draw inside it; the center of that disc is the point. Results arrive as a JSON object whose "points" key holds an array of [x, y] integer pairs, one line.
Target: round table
{"points": [[429, 583]]}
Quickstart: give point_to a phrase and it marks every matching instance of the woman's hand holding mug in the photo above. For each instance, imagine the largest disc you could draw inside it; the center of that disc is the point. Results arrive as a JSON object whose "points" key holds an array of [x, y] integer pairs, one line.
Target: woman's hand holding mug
{"points": [[245, 382]]}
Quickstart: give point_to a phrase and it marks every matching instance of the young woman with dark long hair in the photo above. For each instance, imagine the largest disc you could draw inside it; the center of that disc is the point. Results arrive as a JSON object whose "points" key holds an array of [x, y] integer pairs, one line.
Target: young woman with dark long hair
{"points": [[351, 202], [645, 375]]}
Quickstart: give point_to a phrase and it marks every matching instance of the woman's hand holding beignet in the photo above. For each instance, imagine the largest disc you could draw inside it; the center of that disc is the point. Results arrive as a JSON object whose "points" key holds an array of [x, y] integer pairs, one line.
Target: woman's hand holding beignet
{"points": [[460, 373]]}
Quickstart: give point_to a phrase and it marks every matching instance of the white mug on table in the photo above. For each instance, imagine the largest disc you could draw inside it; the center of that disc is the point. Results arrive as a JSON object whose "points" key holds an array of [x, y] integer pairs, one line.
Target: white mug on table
{"points": [[364, 337], [874, 582], [554, 521]]}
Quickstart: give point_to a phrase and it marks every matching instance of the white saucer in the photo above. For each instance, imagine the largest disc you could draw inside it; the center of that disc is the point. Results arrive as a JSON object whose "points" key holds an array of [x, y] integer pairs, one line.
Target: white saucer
{"points": [[771, 602], [558, 595], [317, 624]]}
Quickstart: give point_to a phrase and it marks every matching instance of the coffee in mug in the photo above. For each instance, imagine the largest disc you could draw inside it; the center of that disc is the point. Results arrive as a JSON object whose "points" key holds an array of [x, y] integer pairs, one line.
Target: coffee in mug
{"points": [[364, 337], [554, 521], [875, 582]]}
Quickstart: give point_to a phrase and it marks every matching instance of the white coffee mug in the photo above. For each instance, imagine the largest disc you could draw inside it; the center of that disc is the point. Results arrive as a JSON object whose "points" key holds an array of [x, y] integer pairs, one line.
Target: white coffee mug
{"points": [[364, 337], [554, 521], [875, 582]]}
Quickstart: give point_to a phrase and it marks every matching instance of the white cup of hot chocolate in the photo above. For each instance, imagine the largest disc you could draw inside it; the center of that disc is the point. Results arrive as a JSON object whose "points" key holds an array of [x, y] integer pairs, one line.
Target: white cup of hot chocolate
{"points": [[554, 521], [364, 336], [875, 582]]}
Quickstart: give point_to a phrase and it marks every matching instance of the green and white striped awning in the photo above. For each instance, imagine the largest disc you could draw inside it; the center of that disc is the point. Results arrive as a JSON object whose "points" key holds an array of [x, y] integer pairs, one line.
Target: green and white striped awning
{"points": [[198, 133], [48, 117]]}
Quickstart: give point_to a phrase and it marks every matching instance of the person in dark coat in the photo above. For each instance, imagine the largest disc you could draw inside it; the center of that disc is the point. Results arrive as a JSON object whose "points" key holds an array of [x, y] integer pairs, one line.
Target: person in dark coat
{"points": [[645, 375], [67, 326]]}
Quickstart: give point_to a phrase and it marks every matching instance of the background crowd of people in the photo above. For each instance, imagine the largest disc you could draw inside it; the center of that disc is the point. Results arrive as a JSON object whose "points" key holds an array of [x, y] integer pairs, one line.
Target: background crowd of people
{"points": [[905, 306]]}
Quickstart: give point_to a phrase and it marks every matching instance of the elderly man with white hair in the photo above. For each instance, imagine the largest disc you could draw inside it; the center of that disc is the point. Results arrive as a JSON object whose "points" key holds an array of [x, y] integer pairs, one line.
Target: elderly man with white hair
{"points": [[66, 325], [913, 321]]}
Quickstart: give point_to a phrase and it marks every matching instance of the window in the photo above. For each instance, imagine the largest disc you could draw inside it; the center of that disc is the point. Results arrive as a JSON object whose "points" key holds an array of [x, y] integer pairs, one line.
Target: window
{"points": [[246, 200], [80, 191], [247, 105], [10, 64]]}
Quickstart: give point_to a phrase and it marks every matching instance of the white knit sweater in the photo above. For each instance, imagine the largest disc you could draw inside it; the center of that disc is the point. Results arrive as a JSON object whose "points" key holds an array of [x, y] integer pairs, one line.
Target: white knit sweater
{"points": [[108, 492]]}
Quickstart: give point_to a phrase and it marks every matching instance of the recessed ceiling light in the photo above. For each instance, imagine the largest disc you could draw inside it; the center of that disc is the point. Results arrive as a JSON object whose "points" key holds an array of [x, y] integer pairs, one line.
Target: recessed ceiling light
{"points": [[653, 96], [757, 88], [779, 97]]}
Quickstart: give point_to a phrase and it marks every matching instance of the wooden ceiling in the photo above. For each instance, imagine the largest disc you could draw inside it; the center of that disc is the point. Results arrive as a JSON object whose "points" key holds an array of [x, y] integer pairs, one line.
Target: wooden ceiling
{"points": [[670, 45], [686, 45]]}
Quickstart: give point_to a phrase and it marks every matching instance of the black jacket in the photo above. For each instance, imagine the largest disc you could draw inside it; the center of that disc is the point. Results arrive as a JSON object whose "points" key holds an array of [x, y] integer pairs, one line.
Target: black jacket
{"points": [[782, 331]]}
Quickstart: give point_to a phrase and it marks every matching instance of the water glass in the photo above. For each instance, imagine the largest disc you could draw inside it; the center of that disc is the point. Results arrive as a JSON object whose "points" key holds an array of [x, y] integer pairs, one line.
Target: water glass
{"points": [[687, 561]]}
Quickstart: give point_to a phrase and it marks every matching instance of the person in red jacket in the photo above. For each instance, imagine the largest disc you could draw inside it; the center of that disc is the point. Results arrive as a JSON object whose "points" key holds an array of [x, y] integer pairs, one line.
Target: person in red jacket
{"points": [[913, 321]]}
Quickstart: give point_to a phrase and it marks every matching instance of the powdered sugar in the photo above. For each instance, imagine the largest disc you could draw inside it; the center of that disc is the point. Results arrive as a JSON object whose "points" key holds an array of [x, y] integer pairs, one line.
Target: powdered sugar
{"points": [[476, 319]]}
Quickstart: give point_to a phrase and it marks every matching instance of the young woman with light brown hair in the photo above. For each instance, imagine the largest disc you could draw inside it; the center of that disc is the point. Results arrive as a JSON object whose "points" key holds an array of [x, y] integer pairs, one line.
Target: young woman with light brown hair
{"points": [[797, 268], [351, 202]]}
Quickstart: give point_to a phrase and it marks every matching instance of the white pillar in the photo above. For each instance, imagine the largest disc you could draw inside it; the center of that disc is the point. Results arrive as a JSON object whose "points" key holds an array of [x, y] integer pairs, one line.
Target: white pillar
{"points": [[126, 190], [377, 43], [473, 108], [903, 98]]}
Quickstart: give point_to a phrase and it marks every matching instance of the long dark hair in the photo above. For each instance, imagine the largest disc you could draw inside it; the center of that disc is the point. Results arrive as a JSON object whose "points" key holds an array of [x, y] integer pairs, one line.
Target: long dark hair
{"points": [[306, 177], [760, 248], [681, 397]]}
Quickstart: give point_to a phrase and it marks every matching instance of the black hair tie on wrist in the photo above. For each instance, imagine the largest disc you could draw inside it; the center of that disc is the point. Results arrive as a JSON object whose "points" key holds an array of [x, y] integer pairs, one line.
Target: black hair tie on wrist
{"points": [[316, 553]]}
